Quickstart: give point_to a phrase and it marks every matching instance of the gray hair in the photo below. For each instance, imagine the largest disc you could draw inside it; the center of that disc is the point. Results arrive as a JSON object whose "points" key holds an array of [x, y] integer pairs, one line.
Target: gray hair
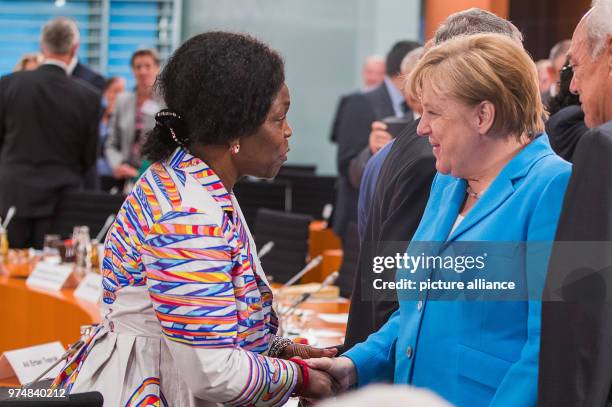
{"points": [[411, 60], [59, 36], [559, 49], [598, 25], [475, 21]]}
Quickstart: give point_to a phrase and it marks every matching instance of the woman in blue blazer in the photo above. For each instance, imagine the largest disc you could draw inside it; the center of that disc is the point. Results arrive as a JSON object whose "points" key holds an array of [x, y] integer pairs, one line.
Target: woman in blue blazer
{"points": [[498, 181]]}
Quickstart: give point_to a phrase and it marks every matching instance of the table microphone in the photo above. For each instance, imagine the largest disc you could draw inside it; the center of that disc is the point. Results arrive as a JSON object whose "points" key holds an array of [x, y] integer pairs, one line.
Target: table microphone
{"points": [[311, 265], [265, 249], [107, 224], [9, 216], [329, 280]]}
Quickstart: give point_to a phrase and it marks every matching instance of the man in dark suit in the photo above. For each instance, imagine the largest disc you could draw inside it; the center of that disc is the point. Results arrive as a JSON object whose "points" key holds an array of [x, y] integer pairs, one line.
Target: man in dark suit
{"points": [[353, 129], [88, 75], [576, 339], [373, 74], [48, 135], [401, 193]]}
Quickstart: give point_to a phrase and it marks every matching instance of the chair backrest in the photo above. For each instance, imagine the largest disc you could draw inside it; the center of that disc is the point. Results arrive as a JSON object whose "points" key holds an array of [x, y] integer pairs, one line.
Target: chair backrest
{"points": [[289, 170], [289, 232], [310, 193], [84, 208], [253, 195], [350, 257]]}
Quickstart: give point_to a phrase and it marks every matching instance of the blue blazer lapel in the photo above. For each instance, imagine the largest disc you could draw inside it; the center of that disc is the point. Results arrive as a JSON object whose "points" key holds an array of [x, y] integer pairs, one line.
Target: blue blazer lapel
{"points": [[452, 197], [495, 195]]}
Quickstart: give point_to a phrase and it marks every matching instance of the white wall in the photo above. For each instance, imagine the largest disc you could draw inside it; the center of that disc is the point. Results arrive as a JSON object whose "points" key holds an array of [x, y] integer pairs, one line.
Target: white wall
{"points": [[324, 43]]}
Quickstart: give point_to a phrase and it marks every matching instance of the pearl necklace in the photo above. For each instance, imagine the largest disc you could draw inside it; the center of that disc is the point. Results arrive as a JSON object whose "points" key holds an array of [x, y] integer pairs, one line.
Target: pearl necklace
{"points": [[472, 193]]}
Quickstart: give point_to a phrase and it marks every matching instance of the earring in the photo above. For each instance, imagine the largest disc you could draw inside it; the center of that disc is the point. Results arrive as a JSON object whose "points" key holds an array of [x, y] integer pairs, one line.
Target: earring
{"points": [[236, 148]]}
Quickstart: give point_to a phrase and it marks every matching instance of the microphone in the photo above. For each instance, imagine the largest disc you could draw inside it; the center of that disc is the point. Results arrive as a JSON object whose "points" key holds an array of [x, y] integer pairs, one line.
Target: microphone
{"points": [[265, 249], [107, 224], [9, 215], [311, 265], [329, 280], [88, 399], [72, 349], [328, 209]]}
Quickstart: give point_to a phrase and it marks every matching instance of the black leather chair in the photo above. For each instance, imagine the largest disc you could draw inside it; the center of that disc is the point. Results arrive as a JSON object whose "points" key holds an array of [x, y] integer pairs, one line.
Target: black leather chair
{"points": [[310, 194], [289, 232], [290, 170], [84, 208], [350, 257], [253, 195]]}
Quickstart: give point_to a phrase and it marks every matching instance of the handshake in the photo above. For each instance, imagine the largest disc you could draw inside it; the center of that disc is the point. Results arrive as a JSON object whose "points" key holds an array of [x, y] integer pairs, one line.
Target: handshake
{"points": [[325, 374]]}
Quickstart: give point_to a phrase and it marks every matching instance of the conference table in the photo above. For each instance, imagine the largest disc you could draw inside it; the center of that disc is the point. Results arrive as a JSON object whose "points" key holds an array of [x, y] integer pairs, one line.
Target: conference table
{"points": [[30, 316]]}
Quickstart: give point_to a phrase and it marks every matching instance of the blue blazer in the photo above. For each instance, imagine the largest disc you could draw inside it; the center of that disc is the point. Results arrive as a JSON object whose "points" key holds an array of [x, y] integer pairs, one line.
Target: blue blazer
{"points": [[475, 353]]}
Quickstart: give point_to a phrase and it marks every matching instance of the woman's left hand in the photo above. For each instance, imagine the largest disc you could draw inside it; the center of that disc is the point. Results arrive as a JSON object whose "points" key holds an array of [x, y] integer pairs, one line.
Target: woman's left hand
{"points": [[296, 350]]}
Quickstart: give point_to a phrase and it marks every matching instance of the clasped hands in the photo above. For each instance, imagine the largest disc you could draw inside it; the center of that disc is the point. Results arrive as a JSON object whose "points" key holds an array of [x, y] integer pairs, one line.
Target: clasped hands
{"points": [[327, 376]]}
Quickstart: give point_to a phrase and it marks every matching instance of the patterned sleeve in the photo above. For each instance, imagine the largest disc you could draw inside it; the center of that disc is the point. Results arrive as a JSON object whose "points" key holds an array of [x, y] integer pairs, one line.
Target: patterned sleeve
{"points": [[189, 262]]}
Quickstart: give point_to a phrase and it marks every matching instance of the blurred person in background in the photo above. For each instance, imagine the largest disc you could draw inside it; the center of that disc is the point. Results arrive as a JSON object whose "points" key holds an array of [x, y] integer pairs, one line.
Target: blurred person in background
{"points": [[565, 126], [134, 117], [373, 72], [28, 62], [114, 86], [48, 135], [544, 79], [557, 58], [379, 138], [354, 126], [77, 69]]}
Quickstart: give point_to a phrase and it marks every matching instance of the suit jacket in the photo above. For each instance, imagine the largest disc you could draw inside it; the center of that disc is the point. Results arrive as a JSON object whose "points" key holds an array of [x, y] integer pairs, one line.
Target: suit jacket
{"points": [[48, 137], [354, 126], [121, 128], [576, 346], [564, 129], [90, 76], [395, 207], [475, 353], [333, 137]]}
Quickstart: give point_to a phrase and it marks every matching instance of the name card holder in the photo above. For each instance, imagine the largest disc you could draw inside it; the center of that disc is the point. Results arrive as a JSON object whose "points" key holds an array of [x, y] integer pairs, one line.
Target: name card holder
{"points": [[90, 288], [52, 277], [28, 363]]}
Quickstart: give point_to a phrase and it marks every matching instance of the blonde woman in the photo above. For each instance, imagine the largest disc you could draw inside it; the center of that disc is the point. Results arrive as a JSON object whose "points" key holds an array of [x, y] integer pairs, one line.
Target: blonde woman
{"points": [[498, 180]]}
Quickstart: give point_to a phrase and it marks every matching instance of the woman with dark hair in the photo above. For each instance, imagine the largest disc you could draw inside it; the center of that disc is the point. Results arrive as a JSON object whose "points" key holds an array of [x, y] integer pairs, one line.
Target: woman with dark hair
{"points": [[187, 310], [565, 125]]}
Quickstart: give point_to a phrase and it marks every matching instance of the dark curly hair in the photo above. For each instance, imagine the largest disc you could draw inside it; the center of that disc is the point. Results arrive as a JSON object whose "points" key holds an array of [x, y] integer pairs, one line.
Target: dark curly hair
{"points": [[564, 97], [221, 84]]}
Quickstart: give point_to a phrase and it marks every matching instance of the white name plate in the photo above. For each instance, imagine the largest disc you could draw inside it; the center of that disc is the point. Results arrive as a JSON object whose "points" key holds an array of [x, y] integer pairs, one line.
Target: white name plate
{"points": [[90, 288], [50, 276], [28, 363]]}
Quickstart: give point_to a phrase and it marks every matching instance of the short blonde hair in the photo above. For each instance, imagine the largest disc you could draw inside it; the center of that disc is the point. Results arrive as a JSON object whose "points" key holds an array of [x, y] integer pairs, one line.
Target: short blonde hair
{"points": [[486, 67]]}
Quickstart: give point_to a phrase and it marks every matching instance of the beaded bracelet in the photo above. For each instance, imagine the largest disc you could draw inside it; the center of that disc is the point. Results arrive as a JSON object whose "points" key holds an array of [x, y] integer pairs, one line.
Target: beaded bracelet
{"points": [[279, 344], [305, 378]]}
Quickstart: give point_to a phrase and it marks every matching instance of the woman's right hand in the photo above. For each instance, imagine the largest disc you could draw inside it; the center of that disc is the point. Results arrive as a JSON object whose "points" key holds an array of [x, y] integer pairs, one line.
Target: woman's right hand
{"points": [[320, 385], [342, 370]]}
